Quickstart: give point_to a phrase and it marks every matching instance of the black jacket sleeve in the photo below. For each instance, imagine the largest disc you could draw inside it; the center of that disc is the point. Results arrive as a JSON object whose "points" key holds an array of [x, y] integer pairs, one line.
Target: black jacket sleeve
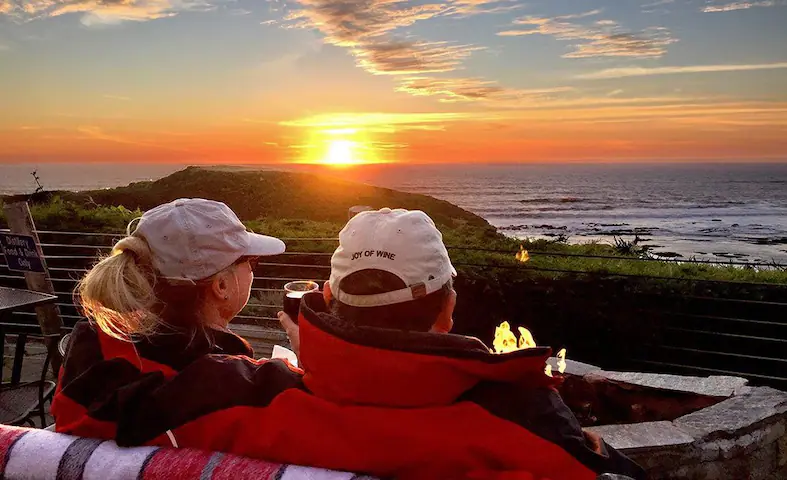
{"points": [[543, 412]]}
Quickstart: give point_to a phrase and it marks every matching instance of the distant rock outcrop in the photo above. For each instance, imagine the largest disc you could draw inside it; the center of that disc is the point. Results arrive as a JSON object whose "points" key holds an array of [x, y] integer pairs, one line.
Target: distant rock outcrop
{"points": [[271, 194]]}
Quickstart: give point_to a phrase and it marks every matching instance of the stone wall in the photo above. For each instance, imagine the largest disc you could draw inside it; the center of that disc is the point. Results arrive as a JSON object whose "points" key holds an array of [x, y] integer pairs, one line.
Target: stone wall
{"points": [[743, 436]]}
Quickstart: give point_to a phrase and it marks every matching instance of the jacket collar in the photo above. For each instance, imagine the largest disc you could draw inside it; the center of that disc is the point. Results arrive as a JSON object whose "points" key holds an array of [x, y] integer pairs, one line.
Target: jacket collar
{"points": [[346, 363], [178, 347]]}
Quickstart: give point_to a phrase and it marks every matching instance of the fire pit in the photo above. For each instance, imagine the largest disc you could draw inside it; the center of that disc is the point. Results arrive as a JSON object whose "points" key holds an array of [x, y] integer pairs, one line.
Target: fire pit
{"points": [[683, 427]]}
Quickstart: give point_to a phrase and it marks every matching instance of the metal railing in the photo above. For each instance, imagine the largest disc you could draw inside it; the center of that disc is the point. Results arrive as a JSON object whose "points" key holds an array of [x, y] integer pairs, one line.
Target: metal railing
{"points": [[699, 334]]}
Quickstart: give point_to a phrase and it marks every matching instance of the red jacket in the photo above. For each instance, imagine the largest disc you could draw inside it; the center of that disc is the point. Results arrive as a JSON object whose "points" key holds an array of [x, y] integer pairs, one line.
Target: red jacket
{"points": [[381, 402]]}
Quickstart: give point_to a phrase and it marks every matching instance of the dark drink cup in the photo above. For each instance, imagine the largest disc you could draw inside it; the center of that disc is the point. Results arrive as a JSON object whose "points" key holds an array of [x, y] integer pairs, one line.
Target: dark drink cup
{"points": [[293, 292]]}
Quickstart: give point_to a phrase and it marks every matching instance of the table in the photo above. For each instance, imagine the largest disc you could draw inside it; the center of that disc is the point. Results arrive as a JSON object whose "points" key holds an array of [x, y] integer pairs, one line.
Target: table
{"points": [[13, 299], [16, 298]]}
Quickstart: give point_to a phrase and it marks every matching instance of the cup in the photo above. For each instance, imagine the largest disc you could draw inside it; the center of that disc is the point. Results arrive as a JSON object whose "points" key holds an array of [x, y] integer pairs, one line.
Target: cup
{"points": [[293, 292]]}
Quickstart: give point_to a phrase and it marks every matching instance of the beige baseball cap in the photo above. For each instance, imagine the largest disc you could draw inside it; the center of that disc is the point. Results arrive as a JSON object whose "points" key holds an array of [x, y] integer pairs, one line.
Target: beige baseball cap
{"points": [[403, 242], [192, 239]]}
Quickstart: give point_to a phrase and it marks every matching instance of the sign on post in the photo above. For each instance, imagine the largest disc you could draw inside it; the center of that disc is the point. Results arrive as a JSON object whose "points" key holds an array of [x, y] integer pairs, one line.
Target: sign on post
{"points": [[22, 240], [21, 254]]}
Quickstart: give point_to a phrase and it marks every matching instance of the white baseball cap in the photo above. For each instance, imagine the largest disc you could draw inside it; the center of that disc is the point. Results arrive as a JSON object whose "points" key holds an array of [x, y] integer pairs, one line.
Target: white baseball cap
{"points": [[192, 239], [403, 242]]}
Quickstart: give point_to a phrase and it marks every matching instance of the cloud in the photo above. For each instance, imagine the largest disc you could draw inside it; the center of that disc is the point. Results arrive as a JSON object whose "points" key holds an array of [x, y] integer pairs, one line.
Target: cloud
{"points": [[407, 58], [350, 23], [473, 7], [644, 71], [731, 7], [371, 120], [91, 132], [471, 90], [368, 29], [604, 38], [656, 6], [101, 12]]}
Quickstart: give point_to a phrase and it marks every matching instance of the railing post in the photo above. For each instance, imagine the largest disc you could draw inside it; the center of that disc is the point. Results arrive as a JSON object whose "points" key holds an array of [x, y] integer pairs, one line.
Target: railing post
{"points": [[20, 221]]}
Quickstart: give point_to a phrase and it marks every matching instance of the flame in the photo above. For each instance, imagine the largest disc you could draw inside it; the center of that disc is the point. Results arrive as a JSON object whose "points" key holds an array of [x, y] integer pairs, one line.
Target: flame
{"points": [[505, 341], [522, 254], [526, 339], [561, 360]]}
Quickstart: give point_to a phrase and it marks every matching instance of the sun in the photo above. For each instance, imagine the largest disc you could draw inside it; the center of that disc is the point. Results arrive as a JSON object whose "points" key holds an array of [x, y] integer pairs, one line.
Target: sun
{"points": [[340, 152]]}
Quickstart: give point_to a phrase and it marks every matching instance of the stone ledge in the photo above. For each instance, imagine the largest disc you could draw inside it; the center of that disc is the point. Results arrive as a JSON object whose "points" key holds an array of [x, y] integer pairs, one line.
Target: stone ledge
{"points": [[574, 367], [736, 415], [637, 436], [713, 386]]}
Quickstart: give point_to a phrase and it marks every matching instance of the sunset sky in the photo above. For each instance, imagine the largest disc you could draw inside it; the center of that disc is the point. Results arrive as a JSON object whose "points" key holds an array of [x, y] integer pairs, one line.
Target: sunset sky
{"points": [[342, 81]]}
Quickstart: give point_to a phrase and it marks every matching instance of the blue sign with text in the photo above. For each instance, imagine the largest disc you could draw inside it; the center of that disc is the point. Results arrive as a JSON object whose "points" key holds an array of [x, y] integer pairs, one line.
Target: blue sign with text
{"points": [[20, 253]]}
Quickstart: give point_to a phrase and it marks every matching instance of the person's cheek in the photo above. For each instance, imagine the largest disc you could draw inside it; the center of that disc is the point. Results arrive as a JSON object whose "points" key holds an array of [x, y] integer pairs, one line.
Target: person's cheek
{"points": [[249, 285]]}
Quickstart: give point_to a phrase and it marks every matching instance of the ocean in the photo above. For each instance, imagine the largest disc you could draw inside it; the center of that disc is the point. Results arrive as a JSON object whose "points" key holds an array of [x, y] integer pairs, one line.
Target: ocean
{"points": [[709, 211]]}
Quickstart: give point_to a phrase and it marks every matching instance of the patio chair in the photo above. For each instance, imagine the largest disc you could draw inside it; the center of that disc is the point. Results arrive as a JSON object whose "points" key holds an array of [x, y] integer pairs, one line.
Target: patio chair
{"points": [[20, 401]]}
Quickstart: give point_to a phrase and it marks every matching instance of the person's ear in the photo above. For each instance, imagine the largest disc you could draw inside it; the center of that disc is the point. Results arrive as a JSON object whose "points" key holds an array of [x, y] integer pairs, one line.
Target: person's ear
{"points": [[220, 286], [445, 320], [326, 292]]}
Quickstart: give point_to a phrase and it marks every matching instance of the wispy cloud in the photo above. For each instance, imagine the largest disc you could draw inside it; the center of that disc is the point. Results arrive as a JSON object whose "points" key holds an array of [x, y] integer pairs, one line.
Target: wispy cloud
{"points": [[473, 7], [472, 90], [101, 12], [579, 111], [370, 30], [352, 23], [603, 38], [407, 58], [380, 119], [765, 113], [717, 7], [645, 71], [656, 6], [92, 132], [367, 28]]}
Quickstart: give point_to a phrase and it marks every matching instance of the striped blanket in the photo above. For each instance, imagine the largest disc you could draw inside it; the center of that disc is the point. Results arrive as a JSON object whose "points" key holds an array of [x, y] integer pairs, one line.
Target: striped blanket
{"points": [[32, 454]]}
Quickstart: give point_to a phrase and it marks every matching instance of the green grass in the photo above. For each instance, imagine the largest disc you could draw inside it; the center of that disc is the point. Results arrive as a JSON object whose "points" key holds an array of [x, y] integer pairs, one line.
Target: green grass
{"points": [[469, 237], [62, 215]]}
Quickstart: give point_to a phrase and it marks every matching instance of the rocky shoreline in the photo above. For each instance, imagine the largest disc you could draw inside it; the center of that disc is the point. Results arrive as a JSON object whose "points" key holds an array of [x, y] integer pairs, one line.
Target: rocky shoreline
{"points": [[662, 244]]}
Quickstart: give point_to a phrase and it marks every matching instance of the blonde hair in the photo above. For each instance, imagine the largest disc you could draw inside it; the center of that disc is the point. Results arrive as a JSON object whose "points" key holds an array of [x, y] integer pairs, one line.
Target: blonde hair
{"points": [[119, 292]]}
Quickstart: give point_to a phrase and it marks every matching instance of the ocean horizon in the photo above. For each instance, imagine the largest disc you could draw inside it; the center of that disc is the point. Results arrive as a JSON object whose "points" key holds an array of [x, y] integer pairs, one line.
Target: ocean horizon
{"points": [[716, 211]]}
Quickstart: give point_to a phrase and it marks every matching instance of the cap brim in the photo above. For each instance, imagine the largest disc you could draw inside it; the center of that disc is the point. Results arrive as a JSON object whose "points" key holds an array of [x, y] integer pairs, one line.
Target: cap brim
{"points": [[263, 245]]}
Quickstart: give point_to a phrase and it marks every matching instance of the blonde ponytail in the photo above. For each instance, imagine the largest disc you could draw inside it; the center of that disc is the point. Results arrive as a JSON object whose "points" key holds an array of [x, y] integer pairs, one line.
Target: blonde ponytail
{"points": [[119, 292]]}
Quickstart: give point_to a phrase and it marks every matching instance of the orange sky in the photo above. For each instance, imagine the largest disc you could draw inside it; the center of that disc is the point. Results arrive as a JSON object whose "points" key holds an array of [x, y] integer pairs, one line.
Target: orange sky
{"points": [[411, 81]]}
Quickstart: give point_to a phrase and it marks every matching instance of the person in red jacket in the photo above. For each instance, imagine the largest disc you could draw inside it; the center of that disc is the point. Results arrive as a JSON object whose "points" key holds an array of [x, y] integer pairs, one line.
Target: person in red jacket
{"points": [[378, 339], [394, 400], [158, 304]]}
